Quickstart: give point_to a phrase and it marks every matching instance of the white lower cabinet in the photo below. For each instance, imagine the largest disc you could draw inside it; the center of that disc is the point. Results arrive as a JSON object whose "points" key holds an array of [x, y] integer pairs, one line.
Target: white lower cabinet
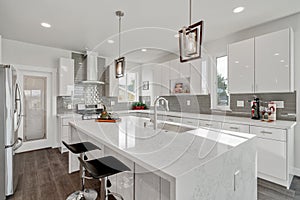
{"points": [[63, 131], [122, 183], [275, 155], [149, 186]]}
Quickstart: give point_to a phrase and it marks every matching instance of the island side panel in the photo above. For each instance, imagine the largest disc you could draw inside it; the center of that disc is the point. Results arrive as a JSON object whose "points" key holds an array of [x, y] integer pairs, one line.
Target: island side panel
{"points": [[217, 180]]}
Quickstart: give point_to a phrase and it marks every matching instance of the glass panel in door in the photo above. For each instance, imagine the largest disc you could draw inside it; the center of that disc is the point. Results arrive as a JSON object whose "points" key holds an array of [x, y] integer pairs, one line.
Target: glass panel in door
{"points": [[35, 108]]}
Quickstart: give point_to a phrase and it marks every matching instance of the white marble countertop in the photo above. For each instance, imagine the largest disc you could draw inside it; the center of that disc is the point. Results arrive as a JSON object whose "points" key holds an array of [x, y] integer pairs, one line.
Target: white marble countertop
{"points": [[170, 153], [227, 119]]}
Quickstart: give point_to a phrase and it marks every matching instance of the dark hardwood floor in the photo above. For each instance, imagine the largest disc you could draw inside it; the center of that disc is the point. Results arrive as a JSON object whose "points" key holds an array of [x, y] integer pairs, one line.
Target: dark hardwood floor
{"points": [[44, 176]]}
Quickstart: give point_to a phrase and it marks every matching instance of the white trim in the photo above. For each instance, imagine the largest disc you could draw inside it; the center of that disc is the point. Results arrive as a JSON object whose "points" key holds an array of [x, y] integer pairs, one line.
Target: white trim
{"points": [[51, 74], [296, 171]]}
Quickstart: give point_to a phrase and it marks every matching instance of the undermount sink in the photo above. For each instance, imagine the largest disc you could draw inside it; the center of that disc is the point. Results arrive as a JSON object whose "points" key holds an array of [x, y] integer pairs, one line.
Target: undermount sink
{"points": [[174, 128]]}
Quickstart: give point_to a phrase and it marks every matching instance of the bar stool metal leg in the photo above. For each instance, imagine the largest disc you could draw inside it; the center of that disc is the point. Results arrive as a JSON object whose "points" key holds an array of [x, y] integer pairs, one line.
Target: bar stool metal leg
{"points": [[84, 194]]}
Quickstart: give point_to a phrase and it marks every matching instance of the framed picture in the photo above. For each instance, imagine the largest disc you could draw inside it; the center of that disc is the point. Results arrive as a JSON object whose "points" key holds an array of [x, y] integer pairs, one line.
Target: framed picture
{"points": [[145, 85], [180, 86]]}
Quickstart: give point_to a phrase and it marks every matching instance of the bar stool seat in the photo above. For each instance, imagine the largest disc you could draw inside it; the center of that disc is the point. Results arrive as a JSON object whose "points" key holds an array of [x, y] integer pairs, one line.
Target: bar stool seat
{"points": [[81, 148], [101, 168]]}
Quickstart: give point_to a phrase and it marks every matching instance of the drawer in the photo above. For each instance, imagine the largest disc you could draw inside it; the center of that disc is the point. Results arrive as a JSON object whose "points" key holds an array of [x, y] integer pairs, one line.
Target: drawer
{"points": [[236, 127], [172, 119], [191, 122], [210, 124], [269, 133]]}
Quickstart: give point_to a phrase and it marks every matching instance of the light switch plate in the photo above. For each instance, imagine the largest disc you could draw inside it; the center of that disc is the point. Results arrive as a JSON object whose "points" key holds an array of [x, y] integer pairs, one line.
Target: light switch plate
{"points": [[279, 104], [188, 102], [240, 104], [69, 106], [112, 103]]}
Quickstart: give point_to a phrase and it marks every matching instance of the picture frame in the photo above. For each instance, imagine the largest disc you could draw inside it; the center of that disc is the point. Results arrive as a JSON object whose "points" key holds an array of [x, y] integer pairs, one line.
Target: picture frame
{"points": [[180, 86], [145, 85]]}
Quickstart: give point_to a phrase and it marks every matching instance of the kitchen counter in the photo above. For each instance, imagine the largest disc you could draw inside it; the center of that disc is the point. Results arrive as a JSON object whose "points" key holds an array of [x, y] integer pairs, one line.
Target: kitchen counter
{"points": [[280, 124], [68, 115], [194, 160]]}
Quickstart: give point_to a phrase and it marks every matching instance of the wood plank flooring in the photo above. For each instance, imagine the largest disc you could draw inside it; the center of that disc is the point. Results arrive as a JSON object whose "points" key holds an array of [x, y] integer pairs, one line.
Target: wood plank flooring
{"points": [[44, 176]]}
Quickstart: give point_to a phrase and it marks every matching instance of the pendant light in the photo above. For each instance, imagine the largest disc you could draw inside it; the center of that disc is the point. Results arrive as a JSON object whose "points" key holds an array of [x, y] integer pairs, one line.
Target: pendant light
{"points": [[120, 62], [190, 39]]}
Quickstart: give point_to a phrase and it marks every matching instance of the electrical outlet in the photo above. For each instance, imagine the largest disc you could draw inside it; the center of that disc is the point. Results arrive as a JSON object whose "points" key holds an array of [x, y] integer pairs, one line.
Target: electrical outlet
{"points": [[112, 103], [144, 101], [69, 106], [188, 102], [240, 104], [162, 103], [279, 104]]}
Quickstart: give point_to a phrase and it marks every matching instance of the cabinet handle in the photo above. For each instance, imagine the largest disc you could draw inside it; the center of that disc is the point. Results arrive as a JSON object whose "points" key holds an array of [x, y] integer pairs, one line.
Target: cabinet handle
{"points": [[235, 128], [266, 132], [208, 124], [189, 122]]}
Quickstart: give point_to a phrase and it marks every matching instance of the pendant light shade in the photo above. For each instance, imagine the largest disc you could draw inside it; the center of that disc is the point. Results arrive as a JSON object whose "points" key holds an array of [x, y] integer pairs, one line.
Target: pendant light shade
{"points": [[120, 62], [190, 40]]}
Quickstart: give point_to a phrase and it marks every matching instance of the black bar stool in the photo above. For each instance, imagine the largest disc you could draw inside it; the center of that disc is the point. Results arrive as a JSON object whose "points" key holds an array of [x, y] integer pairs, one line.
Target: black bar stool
{"points": [[102, 168], [81, 148]]}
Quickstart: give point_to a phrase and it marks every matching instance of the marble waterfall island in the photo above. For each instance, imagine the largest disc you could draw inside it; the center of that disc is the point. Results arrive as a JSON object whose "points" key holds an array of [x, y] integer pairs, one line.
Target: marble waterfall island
{"points": [[174, 162]]}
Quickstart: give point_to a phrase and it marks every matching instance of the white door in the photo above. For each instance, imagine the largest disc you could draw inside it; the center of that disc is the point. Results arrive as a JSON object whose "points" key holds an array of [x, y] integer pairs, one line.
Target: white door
{"points": [[35, 128]]}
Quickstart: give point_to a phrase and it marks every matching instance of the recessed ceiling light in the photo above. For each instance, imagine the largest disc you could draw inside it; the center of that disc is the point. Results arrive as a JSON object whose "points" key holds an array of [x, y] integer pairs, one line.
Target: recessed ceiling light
{"points": [[276, 54], [238, 9], [46, 25], [176, 35], [144, 50], [237, 62], [110, 41], [282, 61]]}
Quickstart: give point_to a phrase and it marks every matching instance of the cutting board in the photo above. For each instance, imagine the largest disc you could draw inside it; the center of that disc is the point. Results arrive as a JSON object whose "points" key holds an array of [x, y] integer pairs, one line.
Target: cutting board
{"points": [[109, 120]]}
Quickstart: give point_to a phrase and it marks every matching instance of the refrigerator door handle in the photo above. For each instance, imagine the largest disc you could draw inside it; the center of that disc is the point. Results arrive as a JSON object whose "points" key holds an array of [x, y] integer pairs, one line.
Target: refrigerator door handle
{"points": [[18, 109], [18, 144]]}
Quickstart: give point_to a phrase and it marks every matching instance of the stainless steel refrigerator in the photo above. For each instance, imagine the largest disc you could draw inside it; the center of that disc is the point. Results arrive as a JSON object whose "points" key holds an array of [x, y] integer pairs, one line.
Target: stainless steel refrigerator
{"points": [[10, 121]]}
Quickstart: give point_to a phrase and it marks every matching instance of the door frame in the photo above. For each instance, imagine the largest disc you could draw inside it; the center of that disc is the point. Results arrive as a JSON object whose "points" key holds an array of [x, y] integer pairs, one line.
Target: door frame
{"points": [[50, 74]]}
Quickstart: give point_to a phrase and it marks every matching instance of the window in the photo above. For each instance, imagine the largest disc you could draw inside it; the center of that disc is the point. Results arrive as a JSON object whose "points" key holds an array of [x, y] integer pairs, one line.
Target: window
{"points": [[128, 88], [222, 82]]}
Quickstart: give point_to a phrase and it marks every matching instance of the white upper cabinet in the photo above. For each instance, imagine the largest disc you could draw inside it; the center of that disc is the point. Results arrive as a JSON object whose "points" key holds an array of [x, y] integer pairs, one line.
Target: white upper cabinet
{"points": [[65, 77], [262, 64], [273, 67], [241, 67]]}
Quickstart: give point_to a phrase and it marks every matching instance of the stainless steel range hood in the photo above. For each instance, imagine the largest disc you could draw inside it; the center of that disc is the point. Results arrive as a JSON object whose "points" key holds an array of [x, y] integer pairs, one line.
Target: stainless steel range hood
{"points": [[92, 68]]}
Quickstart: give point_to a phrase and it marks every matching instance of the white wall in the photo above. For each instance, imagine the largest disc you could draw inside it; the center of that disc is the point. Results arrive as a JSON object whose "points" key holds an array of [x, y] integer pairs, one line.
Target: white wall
{"points": [[219, 48], [0, 49], [15, 52]]}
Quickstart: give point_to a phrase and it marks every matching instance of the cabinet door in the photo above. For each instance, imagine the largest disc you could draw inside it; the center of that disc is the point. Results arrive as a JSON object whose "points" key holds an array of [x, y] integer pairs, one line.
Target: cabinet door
{"points": [[241, 66], [147, 184], [272, 62], [65, 77], [271, 158], [123, 182], [236, 127]]}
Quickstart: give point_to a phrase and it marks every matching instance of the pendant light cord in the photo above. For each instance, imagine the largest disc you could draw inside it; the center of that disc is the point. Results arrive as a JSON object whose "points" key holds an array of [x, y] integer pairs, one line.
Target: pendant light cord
{"points": [[190, 19], [119, 36]]}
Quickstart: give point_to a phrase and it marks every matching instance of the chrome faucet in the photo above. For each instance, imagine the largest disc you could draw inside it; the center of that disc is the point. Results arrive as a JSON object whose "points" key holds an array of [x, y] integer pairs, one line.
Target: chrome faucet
{"points": [[155, 110]]}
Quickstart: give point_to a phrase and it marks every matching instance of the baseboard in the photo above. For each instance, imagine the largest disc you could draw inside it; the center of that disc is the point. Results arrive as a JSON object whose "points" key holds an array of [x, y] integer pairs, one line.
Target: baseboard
{"points": [[296, 171]]}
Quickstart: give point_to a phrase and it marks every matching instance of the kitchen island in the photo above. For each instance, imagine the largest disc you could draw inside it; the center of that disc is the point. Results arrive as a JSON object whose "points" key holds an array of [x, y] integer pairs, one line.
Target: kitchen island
{"points": [[173, 162]]}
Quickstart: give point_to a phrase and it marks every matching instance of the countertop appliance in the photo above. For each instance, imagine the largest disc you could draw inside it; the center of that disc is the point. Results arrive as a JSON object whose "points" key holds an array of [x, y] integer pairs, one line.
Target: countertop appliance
{"points": [[90, 111], [10, 121], [255, 108]]}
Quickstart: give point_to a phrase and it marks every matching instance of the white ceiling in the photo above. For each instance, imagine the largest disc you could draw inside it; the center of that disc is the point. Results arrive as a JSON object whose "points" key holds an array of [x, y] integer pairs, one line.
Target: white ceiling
{"points": [[77, 24]]}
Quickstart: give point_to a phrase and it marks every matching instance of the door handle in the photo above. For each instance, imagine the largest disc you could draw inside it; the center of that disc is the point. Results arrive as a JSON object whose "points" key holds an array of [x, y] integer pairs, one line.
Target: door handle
{"points": [[18, 144]]}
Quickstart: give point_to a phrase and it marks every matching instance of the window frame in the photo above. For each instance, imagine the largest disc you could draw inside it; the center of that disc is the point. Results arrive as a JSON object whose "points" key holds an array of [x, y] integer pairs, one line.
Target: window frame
{"points": [[126, 91], [215, 105]]}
